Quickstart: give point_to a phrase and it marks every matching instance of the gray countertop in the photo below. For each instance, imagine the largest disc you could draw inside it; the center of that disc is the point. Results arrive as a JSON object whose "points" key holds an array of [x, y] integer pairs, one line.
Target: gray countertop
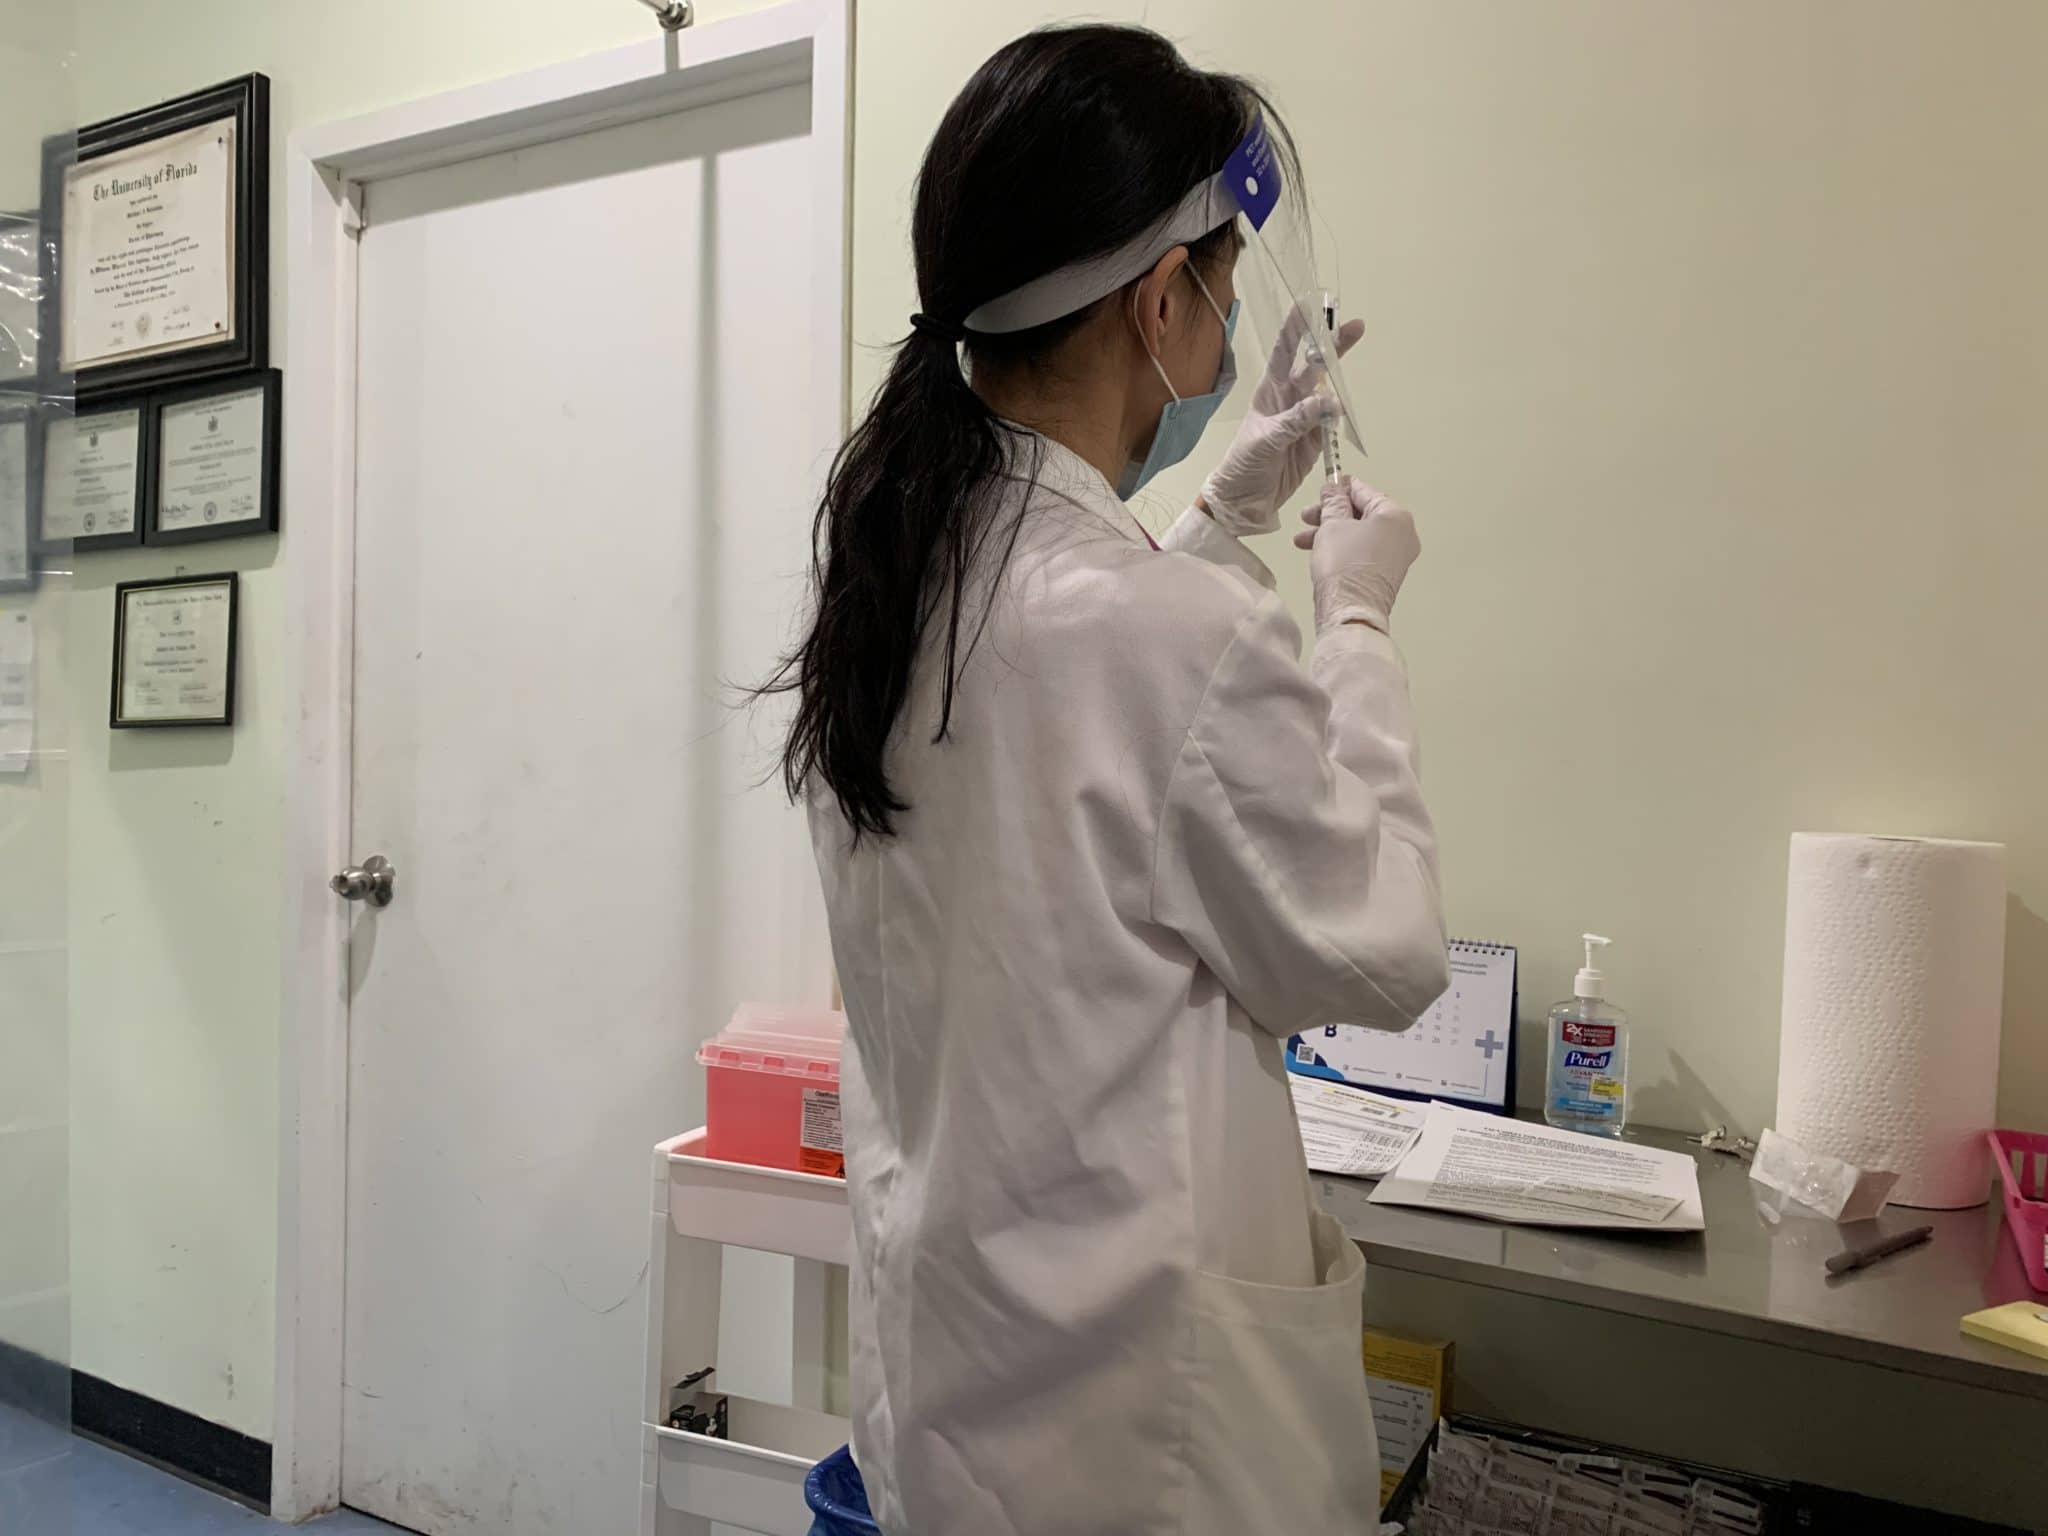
{"points": [[1744, 1275]]}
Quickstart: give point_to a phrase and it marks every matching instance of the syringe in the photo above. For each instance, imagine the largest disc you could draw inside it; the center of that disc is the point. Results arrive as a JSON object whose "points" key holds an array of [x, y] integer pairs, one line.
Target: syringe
{"points": [[1332, 468]]}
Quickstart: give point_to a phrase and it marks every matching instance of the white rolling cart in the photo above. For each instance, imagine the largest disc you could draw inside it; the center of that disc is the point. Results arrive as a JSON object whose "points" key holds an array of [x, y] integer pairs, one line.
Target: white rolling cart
{"points": [[693, 1484]]}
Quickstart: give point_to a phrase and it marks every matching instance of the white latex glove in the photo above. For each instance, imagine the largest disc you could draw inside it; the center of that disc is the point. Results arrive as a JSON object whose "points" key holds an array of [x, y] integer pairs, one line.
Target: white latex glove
{"points": [[1280, 439], [1363, 543]]}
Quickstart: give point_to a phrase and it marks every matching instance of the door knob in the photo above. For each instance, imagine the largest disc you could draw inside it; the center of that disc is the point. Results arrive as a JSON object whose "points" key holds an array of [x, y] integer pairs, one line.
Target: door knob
{"points": [[371, 881]]}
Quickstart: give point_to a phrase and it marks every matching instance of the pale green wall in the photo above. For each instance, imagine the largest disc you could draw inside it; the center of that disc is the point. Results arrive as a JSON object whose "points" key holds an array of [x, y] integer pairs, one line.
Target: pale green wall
{"points": [[1707, 341], [1709, 344], [175, 838]]}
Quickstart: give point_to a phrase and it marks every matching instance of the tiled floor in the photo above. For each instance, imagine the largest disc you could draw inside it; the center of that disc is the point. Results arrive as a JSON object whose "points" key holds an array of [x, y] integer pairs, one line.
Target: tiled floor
{"points": [[52, 1484]]}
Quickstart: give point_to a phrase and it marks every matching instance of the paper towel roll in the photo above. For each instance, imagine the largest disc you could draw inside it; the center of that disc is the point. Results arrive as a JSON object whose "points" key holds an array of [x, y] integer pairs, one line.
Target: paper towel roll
{"points": [[1894, 978]]}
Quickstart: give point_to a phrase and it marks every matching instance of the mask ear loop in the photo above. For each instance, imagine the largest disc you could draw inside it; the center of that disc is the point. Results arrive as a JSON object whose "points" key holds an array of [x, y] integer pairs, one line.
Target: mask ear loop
{"points": [[1207, 298], [1214, 309]]}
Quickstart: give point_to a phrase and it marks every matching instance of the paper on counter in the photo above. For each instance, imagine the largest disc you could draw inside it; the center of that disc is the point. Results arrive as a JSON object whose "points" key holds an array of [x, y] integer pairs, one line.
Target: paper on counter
{"points": [[1350, 1131], [1510, 1170]]}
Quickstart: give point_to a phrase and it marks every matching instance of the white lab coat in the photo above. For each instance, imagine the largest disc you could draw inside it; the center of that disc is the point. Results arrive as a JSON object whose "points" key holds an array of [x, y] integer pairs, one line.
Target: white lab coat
{"points": [[1092, 1295]]}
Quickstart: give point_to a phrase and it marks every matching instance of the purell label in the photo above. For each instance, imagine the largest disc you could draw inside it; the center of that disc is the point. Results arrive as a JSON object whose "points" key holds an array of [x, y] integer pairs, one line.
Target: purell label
{"points": [[1598, 1035], [1594, 1060]]}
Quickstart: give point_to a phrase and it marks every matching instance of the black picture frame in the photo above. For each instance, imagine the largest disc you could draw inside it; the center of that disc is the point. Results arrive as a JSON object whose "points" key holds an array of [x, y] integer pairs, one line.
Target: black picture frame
{"points": [[145, 454], [122, 593], [271, 382], [22, 409], [20, 228], [247, 100]]}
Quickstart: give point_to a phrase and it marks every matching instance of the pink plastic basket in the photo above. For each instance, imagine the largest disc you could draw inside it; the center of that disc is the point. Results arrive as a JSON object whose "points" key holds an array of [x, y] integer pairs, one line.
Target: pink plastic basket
{"points": [[2022, 1158]]}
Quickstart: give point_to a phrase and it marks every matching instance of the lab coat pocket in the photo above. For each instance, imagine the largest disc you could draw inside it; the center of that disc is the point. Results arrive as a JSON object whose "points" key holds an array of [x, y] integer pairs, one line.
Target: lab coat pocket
{"points": [[1280, 1433]]}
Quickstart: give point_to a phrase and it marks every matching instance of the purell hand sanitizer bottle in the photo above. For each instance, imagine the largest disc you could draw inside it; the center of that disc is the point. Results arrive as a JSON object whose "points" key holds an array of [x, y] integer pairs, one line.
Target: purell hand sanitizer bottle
{"points": [[1588, 1084]]}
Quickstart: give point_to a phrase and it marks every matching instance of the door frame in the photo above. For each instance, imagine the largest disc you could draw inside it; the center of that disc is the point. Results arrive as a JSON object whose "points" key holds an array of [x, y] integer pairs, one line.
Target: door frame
{"points": [[326, 169]]}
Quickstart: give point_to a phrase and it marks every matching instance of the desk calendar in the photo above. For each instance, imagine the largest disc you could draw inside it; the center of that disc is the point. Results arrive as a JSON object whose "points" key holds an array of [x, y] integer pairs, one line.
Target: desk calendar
{"points": [[1462, 1050]]}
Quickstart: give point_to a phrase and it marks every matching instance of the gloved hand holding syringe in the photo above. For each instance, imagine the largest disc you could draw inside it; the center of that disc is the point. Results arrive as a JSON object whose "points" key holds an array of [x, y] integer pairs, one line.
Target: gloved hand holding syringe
{"points": [[1363, 541], [1277, 444]]}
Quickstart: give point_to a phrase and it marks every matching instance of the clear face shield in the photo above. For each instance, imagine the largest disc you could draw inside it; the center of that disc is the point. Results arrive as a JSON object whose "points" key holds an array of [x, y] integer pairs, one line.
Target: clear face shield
{"points": [[1288, 326], [1290, 321]]}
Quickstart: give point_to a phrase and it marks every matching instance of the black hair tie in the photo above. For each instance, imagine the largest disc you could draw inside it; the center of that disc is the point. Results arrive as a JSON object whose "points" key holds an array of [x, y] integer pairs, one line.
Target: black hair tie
{"points": [[946, 330]]}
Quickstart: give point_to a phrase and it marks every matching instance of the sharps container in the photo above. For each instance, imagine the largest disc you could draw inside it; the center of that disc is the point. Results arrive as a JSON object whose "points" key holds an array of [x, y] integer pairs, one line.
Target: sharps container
{"points": [[772, 1089]]}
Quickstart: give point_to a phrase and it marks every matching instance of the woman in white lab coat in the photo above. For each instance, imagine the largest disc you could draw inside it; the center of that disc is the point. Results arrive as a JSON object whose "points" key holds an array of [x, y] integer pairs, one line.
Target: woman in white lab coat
{"points": [[1094, 843]]}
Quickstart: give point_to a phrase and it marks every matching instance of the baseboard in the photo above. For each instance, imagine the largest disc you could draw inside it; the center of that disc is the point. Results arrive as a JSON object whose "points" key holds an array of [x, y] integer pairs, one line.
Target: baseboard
{"points": [[209, 1454], [212, 1455], [34, 1384]]}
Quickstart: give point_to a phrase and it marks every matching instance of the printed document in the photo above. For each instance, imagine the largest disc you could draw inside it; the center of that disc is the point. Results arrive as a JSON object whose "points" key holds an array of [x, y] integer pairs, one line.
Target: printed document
{"points": [[1511, 1170], [17, 693], [1347, 1130]]}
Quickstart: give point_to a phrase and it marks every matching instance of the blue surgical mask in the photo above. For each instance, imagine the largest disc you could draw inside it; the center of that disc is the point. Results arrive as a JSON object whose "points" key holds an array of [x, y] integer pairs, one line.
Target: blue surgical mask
{"points": [[1182, 421]]}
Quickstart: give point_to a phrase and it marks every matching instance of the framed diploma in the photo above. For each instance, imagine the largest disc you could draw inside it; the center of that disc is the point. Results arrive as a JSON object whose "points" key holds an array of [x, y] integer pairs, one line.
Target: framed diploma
{"points": [[94, 468], [214, 459], [160, 265], [18, 446], [21, 300], [174, 652]]}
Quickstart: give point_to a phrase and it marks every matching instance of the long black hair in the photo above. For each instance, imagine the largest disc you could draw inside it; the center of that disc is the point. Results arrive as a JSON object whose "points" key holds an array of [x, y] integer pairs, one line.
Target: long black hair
{"points": [[1067, 143]]}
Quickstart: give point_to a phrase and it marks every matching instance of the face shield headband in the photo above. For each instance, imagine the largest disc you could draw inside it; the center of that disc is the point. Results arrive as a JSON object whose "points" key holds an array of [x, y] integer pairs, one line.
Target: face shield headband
{"points": [[1285, 306]]}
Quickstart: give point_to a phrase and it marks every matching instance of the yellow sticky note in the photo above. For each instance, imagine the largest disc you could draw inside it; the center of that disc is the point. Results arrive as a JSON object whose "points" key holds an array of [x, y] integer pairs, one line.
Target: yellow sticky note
{"points": [[1409, 1382], [2021, 1325]]}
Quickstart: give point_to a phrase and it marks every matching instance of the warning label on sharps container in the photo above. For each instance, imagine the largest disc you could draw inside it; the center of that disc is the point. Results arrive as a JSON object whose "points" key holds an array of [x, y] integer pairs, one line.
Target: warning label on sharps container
{"points": [[822, 1144]]}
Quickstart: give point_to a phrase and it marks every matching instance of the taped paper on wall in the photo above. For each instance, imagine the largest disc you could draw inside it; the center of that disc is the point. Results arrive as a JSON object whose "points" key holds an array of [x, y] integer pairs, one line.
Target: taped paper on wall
{"points": [[17, 693]]}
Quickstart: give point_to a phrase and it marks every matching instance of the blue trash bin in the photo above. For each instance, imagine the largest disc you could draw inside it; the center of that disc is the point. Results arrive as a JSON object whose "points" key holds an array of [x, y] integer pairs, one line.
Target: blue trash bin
{"points": [[838, 1498]]}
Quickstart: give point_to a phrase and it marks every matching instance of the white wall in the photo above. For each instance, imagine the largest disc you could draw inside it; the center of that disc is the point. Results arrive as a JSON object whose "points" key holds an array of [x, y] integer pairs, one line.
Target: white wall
{"points": [[1706, 340]]}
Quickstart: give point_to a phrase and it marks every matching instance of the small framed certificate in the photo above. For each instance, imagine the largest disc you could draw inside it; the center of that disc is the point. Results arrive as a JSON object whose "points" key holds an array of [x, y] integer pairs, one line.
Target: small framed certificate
{"points": [[174, 652], [158, 239], [19, 443], [213, 459], [94, 469]]}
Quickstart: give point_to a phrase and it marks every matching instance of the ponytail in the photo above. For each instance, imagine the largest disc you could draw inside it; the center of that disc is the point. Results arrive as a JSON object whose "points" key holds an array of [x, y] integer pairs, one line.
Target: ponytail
{"points": [[905, 512]]}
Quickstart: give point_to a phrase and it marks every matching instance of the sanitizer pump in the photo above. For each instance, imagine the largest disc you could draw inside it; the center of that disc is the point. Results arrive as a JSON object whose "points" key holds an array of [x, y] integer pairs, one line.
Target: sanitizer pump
{"points": [[1587, 1088]]}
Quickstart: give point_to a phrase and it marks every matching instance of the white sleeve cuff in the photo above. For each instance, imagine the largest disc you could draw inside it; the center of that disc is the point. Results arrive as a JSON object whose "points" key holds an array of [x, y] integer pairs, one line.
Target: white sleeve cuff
{"points": [[1343, 637], [1196, 533]]}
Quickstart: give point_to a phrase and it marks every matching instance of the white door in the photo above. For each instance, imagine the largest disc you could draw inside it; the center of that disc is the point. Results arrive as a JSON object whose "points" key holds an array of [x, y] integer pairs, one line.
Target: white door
{"points": [[582, 517]]}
